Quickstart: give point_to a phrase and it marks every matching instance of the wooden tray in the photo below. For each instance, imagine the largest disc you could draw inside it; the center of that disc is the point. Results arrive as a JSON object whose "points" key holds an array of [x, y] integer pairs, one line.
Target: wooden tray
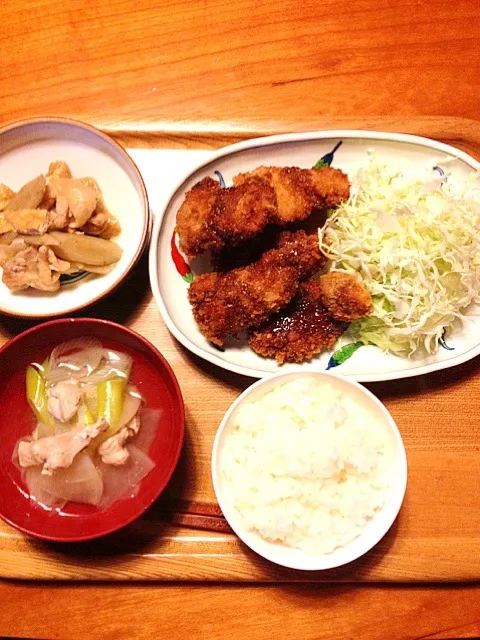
{"points": [[436, 536]]}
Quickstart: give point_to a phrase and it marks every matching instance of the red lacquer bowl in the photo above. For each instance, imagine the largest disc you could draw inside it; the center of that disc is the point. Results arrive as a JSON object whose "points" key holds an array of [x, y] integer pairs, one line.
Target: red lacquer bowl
{"points": [[152, 375]]}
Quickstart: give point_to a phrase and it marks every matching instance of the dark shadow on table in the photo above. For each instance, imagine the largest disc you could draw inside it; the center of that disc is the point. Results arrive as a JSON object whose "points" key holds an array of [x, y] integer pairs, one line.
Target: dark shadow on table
{"points": [[391, 389], [121, 306]]}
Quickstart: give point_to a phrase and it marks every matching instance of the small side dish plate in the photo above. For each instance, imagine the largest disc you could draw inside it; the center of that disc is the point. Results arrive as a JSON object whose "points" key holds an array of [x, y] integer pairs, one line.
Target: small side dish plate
{"points": [[26, 150], [170, 274]]}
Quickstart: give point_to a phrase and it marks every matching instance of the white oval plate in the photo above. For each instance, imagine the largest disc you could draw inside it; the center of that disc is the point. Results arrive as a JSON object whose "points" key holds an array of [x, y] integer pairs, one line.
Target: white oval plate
{"points": [[26, 150], [411, 154]]}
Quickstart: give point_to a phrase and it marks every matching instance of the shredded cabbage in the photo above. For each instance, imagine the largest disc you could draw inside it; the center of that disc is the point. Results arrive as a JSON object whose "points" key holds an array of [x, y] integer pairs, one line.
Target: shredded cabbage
{"points": [[415, 242]]}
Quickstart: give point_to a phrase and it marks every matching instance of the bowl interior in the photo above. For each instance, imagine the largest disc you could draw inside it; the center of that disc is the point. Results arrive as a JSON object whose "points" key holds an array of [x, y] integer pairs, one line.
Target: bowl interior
{"points": [[26, 150], [375, 529], [157, 383]]}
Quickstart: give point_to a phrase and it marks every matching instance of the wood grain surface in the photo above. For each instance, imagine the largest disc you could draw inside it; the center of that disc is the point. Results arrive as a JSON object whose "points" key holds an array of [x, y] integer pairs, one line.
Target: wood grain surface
{"points": [[223, 66], [435, 537], [213, 612], [463, 133], [213, 71]]}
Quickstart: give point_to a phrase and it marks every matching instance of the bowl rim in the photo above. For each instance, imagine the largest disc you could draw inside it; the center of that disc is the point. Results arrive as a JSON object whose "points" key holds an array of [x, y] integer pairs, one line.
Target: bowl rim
{"points": [[398, 490], [180, 405], [145, 206]]}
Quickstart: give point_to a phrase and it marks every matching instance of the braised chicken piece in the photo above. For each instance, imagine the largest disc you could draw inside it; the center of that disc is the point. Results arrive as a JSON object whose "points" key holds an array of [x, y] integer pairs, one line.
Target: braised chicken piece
{"points": [[102, 224], [113, 450], [6, 194], [58, 452], [34, 267], [54, 216], [25, 221], [9, 250], [64, 399], [75, 202], [59, 169], [5, 226]]}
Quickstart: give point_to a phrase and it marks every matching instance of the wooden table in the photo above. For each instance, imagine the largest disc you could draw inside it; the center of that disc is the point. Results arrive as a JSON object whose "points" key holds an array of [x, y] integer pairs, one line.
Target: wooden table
{"points": [[193, 69]]}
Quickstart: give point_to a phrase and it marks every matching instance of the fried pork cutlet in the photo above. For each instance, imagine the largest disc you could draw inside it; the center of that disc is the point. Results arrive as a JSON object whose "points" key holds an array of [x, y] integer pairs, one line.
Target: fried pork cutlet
{"points": [[314, 319], [226, 303], [212, 218], [239, 212], [301, 191], [300, 330], [193, 228], [210, 215], [344, 296]]}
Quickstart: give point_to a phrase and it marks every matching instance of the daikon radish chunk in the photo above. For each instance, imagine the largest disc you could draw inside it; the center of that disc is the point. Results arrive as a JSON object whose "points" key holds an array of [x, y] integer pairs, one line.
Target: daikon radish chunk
{"points": [[150, 420], [120, 482], [35, 482], [81, 482]]}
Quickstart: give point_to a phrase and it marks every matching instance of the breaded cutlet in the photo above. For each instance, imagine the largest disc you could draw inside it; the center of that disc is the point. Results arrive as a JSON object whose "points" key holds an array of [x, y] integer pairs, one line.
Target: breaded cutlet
{"points": [[314, 320], [266, 196], [224, 304], [344, 295], [301, 191], [239, 212], [210, 217], [192, 224], [300, 330]]}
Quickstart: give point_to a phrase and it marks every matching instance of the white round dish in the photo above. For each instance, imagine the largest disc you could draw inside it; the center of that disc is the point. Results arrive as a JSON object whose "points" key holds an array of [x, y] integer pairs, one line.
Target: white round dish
{"points": [[407, 152], [26, 150], [374, 530]]}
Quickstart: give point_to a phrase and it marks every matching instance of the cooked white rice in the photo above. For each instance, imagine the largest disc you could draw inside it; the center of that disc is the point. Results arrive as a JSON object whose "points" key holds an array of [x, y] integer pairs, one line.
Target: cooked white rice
{"points": [[306, 467]]}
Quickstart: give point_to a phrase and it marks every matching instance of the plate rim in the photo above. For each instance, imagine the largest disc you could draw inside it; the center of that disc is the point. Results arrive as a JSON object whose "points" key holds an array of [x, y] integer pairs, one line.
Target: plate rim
{"points": [[306, 136], [147, 214]]}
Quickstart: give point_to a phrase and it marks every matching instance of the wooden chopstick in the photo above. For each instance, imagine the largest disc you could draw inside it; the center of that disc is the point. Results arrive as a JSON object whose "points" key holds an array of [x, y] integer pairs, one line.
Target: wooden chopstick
{"points": [[197, 508], [206, 523], [195, 515]]}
